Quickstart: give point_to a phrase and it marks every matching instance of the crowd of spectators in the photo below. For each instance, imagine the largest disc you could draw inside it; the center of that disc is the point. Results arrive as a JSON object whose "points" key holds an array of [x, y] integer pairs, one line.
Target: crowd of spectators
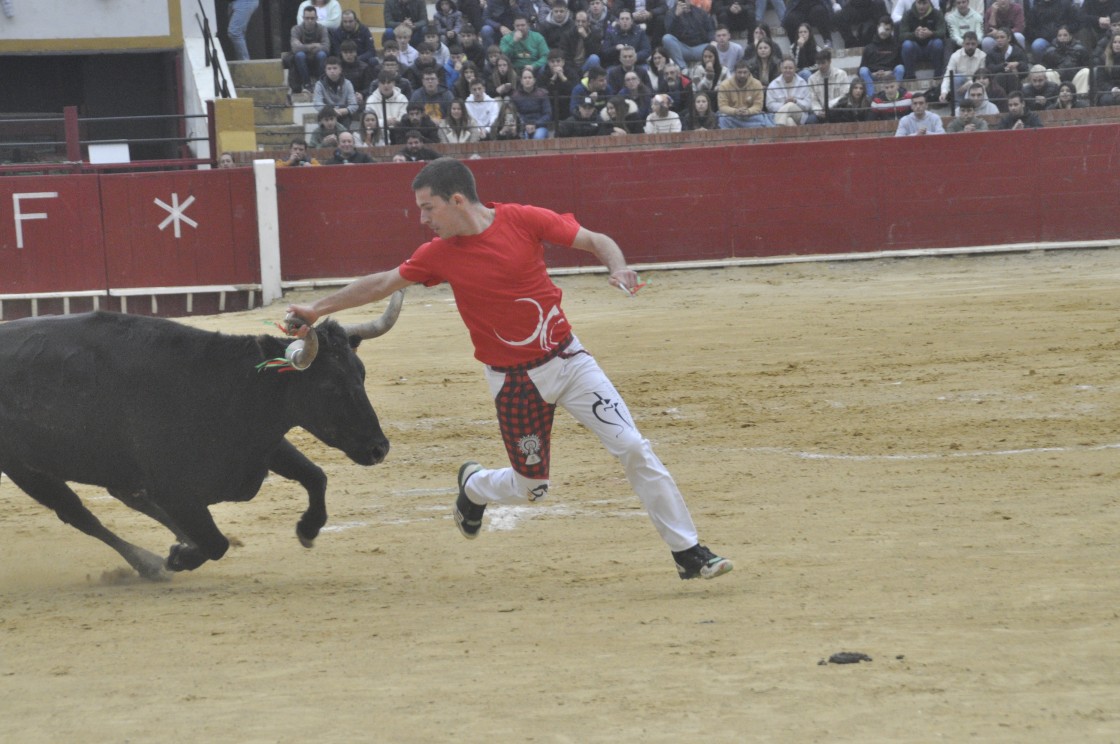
{"points": [[533, 69]]}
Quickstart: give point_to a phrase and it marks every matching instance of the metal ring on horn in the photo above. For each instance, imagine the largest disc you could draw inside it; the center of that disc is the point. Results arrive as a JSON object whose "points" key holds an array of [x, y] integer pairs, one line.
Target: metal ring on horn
{"points": [[301, 353]]}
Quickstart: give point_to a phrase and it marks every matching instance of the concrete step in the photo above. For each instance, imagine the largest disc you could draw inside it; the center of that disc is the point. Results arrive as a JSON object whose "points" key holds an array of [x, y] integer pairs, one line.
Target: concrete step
{"points": [[278, 136], [274, 96], [257, 73], [272, 115]]}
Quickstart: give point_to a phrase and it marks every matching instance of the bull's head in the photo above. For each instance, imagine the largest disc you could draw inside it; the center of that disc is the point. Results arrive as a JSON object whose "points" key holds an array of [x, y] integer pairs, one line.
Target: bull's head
{"points": [[301, 353]]}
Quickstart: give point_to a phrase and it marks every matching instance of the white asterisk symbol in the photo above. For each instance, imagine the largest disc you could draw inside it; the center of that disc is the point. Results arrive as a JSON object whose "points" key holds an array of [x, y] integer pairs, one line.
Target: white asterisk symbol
{"points": [[176, 213]]}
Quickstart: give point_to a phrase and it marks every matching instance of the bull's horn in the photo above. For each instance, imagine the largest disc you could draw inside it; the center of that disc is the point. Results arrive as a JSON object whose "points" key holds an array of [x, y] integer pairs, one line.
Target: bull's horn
{"points": [[301, 353], [374, 328]]}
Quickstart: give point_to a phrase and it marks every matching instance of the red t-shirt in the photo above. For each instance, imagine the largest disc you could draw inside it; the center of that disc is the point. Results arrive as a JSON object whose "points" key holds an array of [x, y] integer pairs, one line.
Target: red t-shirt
{"points": [[500, 281]]}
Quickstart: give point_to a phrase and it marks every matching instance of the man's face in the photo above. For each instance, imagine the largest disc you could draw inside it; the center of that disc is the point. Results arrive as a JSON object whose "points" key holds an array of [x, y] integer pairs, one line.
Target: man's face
{"points": [[402, 35], [885, 30], [962, 7], [478, 91], [1002, 40], [1038, 80], [521, 25], [919, 106], [299, 152], [1063, 36], [597, 83], [661, 105], [349, 22], [825, 66], [742, 75], [891, 88], [596, 7], [789, 69], [412, 145], [581, 19], [976, 95], [330, 122], [922, 6], [968, 114], [556, 65], [723, 38], [431, 82], [560, 14], [310, 18], [970, 45], [444, 218], [426, 56], [468, 38], [350, 55], [628, 57], [386, 89], [626, 21], [672, 72], [585, 111], [346, 143], [334, 72], [1015, 106], [390, 65]]}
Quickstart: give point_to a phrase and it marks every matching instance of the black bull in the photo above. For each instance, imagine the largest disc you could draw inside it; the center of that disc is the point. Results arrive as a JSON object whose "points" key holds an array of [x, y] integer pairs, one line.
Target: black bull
{"points": [[171, 419]]}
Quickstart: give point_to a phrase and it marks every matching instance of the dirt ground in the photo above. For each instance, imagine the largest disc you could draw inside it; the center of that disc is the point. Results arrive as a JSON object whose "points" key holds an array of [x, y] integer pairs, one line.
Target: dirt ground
{"points": [[914, 459]]}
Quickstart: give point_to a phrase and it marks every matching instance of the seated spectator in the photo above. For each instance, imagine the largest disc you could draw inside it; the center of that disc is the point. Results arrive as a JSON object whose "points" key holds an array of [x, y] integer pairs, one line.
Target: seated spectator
{"points": [[347, 153], [415, 120], [1038, 91], [440, 51], [741, 99], [678, 88], [702, 114], [816, 14], [628, 62], [923, 38], [350, 29], [624, 34], [1068, 57], [407, 19], [735, 15], [1006, 15], [370, 133], [225, 160], [803, 49], [655, 71], [360, 74], [635, 90], [689, 29], [708, 73], [993, 92], [327, 12], [391, 66], [1018, 115], [858, 21], [620, 117], [854, 106], [458, 128], [447, 21], [524, 46], [883, 54], [788, 98], [497, 20], [310, 45], [978, 95], [892, 102], [1108, 74], [508, 124], [593, 86], [433, 97], [468, 73], [1044, 17], [414, 150], [335, 91], [407, 53], [387, 100], [502, 81], [472, 47], [482, 108], [590, 43], [297, 155], [425, 63], [961, 20], [1067, 98], [558, 81], [1007, 62], [662, 119], [585, 122], [967, 120], [827, 85], [559, 31], [765, 65], [326, 133], [920, 120], [729, 52], [532, 106], [963, 64]]}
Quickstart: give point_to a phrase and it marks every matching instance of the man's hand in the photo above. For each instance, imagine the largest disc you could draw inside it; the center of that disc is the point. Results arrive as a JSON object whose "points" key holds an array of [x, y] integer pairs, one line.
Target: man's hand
{"points": [[300, 317], [625, 279]]}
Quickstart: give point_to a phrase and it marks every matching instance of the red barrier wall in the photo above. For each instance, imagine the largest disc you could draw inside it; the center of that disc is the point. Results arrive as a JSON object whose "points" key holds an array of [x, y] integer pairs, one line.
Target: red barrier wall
{"points": [[1048, 185]]}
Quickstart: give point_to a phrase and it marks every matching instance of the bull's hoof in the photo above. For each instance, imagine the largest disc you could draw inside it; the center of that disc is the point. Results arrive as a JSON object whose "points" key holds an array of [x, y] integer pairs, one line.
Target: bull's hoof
{"points": [[184, 558], [305, 540]]}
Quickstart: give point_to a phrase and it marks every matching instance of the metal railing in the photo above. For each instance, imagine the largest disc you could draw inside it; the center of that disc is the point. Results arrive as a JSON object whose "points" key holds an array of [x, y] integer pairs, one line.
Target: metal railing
{"points": [[213, 59]]}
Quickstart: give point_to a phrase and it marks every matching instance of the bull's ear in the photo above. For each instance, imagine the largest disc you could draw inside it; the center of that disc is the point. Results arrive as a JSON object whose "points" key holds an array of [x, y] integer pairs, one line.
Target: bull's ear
{"points": [[355, 340]]}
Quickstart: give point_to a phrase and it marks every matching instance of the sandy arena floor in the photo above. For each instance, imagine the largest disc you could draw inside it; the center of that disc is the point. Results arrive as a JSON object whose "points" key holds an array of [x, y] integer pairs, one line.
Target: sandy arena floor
{"points": [[915, 459]]}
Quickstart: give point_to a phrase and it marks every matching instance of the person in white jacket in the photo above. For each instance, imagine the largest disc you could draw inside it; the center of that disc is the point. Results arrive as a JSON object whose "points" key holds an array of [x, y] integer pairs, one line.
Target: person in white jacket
{"points": [[387, 101], [662, 119], [788, 97]]}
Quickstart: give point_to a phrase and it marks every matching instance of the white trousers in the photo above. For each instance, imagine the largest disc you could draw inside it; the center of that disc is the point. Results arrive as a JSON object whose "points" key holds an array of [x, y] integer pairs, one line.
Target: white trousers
{"points": [[580, 386]]}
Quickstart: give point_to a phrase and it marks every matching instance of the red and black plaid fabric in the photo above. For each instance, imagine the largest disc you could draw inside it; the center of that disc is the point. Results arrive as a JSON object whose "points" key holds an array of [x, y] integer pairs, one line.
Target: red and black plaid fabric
{"points": [[525, 419]]}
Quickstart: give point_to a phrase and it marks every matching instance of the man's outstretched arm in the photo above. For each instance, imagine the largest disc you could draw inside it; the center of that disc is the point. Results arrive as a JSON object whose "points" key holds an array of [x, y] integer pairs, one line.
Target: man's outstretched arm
{"points": [[361, 291]]}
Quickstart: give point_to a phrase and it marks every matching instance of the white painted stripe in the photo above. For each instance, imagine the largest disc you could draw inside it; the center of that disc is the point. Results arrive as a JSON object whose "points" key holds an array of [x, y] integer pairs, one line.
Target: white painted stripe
{"points": [[923, 455]]}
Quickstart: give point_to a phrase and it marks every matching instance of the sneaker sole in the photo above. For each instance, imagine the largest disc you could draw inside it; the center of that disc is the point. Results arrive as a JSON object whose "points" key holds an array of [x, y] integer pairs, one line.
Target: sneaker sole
{"points": [[718, 569], [468, 529]]}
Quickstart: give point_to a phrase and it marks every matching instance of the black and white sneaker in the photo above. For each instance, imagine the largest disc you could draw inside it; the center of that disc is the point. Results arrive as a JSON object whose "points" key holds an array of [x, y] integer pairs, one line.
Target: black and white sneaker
{"points": [[468, 515], [700, 563]]}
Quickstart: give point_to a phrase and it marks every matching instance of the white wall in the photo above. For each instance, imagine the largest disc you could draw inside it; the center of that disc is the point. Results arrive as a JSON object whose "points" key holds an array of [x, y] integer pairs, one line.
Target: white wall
{"points": [[88, 19]]}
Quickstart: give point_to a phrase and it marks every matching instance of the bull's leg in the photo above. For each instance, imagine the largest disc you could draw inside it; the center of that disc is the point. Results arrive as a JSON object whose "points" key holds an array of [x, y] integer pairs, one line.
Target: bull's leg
{"points": [[204, 542], [56, 495], [292, 464], [141, 503]]}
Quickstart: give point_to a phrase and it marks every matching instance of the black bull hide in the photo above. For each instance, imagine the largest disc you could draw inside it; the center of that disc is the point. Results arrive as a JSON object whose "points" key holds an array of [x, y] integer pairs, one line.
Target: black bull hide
{"points": [[171, 419]]}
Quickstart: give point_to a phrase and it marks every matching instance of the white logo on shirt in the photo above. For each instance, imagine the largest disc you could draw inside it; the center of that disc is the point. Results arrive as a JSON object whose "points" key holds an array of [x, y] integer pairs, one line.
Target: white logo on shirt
{"points": [[540, 333]]}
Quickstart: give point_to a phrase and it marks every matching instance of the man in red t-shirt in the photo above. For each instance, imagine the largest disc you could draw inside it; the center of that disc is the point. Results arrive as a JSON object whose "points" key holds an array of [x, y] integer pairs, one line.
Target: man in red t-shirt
{"points": [[493, 258]]}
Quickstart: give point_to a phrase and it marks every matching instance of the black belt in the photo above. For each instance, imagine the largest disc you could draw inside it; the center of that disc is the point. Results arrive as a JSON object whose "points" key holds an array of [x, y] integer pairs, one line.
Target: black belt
{"points": [[558, 351]]}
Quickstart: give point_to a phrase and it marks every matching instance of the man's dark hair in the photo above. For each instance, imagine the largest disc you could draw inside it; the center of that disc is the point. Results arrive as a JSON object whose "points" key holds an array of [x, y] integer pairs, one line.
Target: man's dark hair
{"points": [[298, 141], [332, 60], [445, 177], [969, 35], [386, 77], [595, 72], [1015, 94], [327, 112], [348, 46], [967, 104]]}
